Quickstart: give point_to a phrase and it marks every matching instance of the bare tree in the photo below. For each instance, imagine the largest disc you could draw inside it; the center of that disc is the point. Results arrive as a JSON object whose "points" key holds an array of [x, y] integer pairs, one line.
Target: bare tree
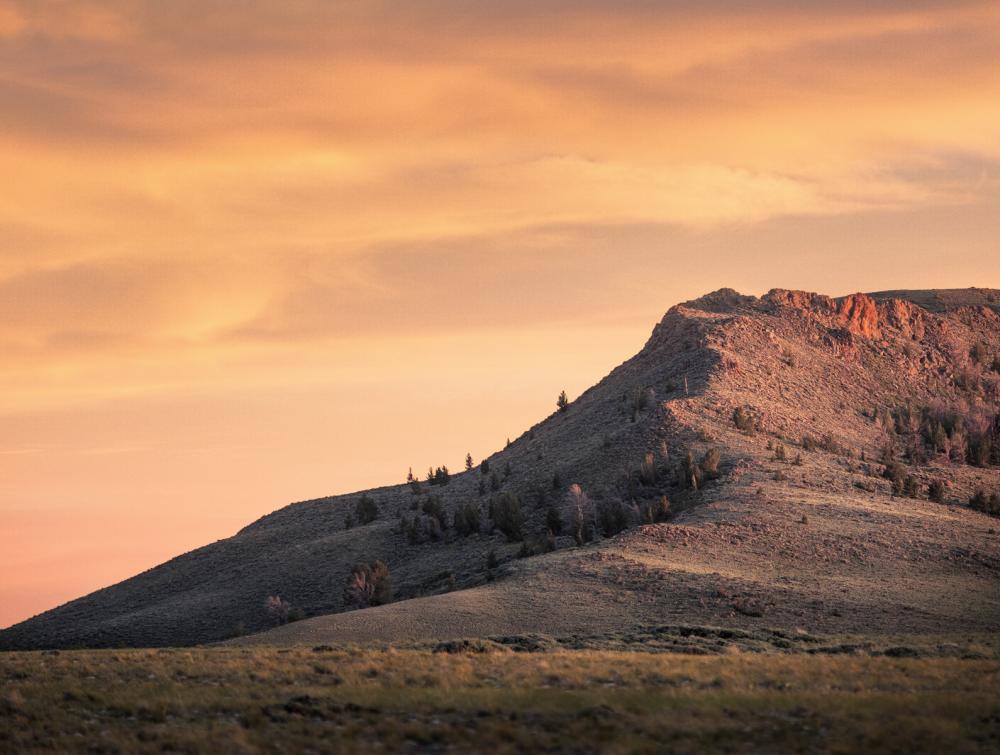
{"points": [[583, 514]]}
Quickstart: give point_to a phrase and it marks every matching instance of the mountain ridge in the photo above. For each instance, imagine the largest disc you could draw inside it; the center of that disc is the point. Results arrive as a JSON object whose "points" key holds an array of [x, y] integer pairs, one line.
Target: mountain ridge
{"points": [[799, 363]]}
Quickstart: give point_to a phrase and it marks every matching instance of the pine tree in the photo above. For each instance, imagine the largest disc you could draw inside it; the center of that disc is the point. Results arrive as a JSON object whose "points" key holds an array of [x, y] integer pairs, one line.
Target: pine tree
{"points": [[562, 402], [468, 462]]}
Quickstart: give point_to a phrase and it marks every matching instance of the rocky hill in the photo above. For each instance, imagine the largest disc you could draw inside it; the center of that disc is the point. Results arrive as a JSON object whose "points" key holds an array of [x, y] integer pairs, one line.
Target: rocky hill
{"points": [[790, 461]]}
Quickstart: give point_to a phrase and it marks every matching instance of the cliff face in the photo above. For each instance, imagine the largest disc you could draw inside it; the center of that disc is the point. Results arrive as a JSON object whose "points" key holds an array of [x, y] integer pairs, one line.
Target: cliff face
{"points": [[801, 365]]}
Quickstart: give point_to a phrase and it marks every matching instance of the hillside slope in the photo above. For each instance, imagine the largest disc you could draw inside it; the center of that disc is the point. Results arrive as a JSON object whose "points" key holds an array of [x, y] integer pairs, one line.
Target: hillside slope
{"points": [[819, 541]]}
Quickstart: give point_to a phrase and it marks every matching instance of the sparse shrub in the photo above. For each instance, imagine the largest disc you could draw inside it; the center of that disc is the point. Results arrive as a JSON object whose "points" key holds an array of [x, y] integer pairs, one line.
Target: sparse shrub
{"points": [[553, 521], [277, 609], [887, 454], [996, 364], [433, 528], [902, 482], [748, 606], [647, 469], [612, 517], [987, 504], [640, 399], [435, 509], [779, 452], [797, 461], [687, 472], [543, 543], [979, 353], [827, 443], [935, 491], [788, 357], [507, 515], [967, 379], [366, 510], [368, 585], [466, 520], [746, 420], [691, 474], [562, 403], [656, 511], [541, 494], [412, 530], [709, 464], [780, 476]]}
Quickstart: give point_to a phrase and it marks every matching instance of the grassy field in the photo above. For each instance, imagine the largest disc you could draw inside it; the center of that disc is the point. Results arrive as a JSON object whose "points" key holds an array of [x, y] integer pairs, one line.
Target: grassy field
{"points": [[350, 699]]}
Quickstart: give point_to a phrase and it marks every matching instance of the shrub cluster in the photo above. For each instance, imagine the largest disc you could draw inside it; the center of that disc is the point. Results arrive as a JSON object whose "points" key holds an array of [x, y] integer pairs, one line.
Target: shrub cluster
{"points": [[988, 504], [827, 443], [957, 433], [902, 482], [693, 474], [433, 508], [439, 476], [419, 529], [652, 512]]}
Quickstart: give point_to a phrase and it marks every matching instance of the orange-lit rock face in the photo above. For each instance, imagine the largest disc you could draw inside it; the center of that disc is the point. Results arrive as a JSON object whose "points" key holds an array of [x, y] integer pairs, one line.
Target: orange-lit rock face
{"points": [[907, 318], [859, 314], [856, 314]]}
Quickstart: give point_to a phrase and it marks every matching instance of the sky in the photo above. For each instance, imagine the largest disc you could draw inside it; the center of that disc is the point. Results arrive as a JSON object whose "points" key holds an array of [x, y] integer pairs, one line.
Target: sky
{"points": [[259, 252]]}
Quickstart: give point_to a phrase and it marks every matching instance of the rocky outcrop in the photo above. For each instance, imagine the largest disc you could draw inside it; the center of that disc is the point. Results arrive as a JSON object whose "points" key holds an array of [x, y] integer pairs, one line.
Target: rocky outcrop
{"points": [[857, 314]]}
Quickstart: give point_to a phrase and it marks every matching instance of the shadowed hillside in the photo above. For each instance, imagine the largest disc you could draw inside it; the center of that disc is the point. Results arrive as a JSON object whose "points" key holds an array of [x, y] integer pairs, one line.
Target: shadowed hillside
{"points": [[761, 461]]}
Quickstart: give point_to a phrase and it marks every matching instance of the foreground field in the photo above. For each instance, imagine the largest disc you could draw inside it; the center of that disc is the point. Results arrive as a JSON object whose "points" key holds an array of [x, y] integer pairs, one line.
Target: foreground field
{"points": [[485, 697]]}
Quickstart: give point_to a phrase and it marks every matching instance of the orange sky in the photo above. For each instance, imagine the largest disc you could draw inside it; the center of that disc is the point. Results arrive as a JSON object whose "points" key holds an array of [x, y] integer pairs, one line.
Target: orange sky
{"points": [[263, 251]]}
